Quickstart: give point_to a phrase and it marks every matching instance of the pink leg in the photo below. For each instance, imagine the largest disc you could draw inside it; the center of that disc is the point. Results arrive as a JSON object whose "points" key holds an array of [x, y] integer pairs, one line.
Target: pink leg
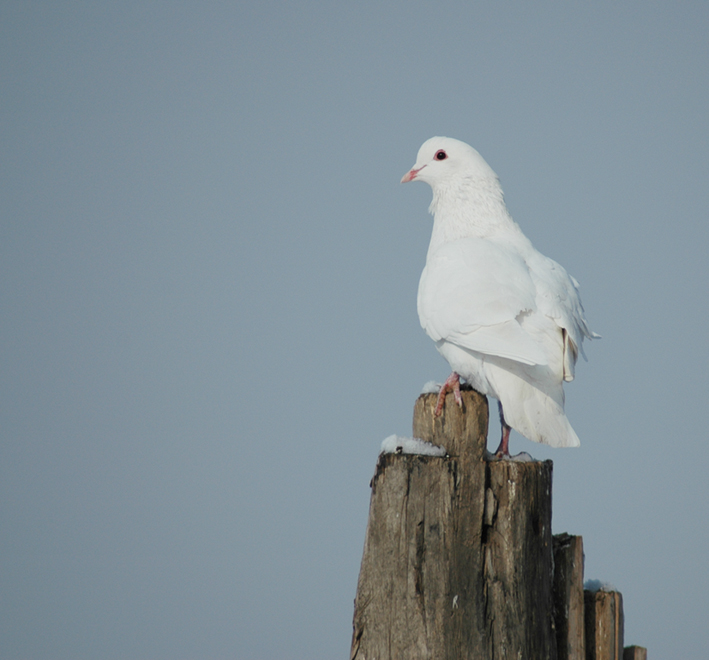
{"points": [[504, 448], [452, 384]]}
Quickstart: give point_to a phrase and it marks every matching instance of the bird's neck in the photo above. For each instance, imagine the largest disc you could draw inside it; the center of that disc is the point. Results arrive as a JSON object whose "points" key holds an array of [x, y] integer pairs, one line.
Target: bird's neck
{"points": [[469, 209]]}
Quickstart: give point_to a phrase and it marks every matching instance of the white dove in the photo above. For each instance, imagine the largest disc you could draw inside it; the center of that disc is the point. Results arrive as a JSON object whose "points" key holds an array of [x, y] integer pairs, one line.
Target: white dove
{"points": [[506, 318]]}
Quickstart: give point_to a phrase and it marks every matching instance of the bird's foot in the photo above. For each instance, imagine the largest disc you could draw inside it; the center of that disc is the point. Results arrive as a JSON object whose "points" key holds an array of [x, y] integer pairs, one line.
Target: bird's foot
{"points": [[452, 384]]}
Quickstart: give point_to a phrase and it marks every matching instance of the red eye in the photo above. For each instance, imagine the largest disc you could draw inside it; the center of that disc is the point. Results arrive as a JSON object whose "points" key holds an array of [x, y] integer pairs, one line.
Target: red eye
{"points": [[441, 155]]}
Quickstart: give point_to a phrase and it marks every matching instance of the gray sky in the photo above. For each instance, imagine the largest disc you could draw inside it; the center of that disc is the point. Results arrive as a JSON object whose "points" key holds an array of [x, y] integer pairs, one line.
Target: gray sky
{"points": [[208, 295]]}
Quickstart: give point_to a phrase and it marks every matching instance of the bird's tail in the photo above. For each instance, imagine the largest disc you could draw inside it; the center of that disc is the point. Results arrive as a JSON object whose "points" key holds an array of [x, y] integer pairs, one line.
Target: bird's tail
{"points": [[539, 417]]}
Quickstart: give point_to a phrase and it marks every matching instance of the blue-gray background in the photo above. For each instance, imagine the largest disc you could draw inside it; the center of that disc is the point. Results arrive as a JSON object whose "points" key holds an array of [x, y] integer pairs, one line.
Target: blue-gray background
{"points": [[209, 275]]}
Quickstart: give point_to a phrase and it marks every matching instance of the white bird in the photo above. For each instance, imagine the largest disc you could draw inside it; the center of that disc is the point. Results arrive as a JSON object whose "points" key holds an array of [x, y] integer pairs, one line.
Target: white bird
{"points": [[506, 318]]}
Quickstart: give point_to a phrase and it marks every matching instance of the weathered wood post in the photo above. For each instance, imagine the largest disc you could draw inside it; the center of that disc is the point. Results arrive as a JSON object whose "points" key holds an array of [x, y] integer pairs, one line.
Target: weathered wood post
{"points": [[604, 625], [634, 653], [457, 559], [568, 597]]}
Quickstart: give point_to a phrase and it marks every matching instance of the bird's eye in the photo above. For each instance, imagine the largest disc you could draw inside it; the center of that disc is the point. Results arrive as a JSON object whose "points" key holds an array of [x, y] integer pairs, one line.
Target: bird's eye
{"points": [[441, 155]]}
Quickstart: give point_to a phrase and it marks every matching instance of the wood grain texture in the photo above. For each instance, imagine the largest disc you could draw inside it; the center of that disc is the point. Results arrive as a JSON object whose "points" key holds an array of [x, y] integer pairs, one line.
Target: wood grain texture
{"points": [[568, 597], [604, 625], [457, 560], [519, 561]]}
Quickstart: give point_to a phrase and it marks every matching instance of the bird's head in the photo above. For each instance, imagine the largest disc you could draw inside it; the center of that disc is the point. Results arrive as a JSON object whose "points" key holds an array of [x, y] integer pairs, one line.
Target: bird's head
{"points": [[443, 161]]}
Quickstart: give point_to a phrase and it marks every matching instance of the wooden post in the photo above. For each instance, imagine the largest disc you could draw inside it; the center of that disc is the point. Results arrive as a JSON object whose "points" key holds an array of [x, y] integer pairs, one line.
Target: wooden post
{"points": [[634, 653], [604, 625], [568, 597], [457, 559], [519, 561]]}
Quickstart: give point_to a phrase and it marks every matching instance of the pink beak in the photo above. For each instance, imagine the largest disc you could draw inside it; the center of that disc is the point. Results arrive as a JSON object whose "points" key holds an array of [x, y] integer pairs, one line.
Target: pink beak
{"points": [[411, 174]]}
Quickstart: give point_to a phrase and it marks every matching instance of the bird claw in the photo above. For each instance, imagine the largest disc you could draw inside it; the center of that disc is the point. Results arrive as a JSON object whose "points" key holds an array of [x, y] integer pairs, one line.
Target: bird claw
{"points": [[452, 384]]}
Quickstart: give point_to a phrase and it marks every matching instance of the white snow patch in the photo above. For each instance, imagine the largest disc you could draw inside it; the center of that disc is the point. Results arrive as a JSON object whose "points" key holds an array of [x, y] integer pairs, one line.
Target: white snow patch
{"points": [[522, 457], [396, 444], [431, 387], [597, 585]]}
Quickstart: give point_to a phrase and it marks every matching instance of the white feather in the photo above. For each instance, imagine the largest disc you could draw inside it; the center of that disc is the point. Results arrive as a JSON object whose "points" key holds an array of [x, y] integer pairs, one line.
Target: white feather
{"points": [[508, 319]]}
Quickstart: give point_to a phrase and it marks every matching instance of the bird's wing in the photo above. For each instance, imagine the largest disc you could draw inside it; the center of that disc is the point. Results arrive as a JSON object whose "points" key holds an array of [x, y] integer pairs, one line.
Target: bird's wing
{"points": [[558, 298], [473, 293]]}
